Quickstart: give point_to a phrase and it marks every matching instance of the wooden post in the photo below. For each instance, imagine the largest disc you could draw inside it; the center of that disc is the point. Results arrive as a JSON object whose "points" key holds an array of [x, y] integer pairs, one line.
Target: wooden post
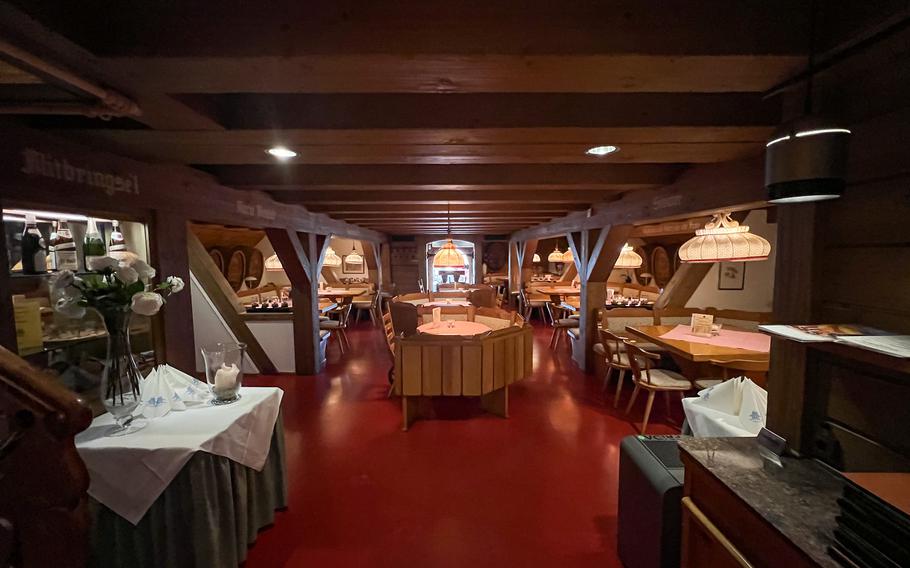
{"points": [[595, 254], [527, 260], [171, 253], [301, 255], [514, 267], [385, 262], [795, 278], [371, 259]]}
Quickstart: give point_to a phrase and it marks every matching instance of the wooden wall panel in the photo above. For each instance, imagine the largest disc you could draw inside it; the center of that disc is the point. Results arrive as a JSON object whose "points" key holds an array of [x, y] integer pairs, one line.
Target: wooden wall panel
{"points": [[488, 363], [431, 361], [410, 357], [451, 370], [471, 369], [499, 364], [509, 356]]}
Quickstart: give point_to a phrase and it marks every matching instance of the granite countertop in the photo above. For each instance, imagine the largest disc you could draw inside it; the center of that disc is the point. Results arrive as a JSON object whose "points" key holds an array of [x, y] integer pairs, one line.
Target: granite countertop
{"points": [[798, 499]]}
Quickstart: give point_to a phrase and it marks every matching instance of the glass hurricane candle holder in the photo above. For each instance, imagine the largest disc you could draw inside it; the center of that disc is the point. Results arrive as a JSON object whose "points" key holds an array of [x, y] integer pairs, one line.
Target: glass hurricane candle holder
{"points": [[224, 370]]}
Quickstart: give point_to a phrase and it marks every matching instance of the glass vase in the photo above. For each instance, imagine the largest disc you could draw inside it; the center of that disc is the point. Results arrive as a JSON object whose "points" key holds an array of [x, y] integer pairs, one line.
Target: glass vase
{"points": [[224, 370], [120, 379]]}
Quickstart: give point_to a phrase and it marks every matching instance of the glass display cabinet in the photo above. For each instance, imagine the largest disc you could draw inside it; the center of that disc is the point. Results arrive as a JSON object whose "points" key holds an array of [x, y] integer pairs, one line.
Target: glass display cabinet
{"points": [[39, 245]]}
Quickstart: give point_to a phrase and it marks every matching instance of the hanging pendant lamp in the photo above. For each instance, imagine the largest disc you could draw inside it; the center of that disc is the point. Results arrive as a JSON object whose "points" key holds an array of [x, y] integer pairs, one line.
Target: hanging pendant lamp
{"points": [[331, 258], [568, 256], [556, 255], [354, 258], [536, 258], [449, 256], [628, 258], [724, 240], [806, 159]]}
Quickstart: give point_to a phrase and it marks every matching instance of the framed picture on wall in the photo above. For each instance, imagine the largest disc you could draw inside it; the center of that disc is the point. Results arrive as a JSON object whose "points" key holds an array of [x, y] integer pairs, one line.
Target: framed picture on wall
{"points": [[731, 275], [351, 268]]}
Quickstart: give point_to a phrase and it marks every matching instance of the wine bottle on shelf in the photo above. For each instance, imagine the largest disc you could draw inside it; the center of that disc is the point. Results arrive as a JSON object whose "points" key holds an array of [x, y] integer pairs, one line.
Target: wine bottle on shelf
{"points": [[34, 251], [52, 248], [116, 242], [65, 248], [93, 244]]}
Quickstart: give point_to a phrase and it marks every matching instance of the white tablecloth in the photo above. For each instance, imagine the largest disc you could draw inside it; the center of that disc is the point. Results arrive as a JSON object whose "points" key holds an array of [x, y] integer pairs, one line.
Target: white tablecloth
{"points": [[129, 472]]}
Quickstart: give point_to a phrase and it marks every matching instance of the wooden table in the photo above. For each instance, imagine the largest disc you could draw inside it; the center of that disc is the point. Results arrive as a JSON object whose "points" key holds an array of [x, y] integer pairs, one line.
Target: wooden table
{"points": [[337, 293], [693, 358], [559, 290]]}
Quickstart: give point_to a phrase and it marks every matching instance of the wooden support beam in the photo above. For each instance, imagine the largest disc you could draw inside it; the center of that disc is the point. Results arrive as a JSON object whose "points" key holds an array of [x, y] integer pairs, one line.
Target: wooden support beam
{"points": [[595, 253], [225, 301], [170, 249], [385, 262], [301, 255], [701, 190], [371, 258]]}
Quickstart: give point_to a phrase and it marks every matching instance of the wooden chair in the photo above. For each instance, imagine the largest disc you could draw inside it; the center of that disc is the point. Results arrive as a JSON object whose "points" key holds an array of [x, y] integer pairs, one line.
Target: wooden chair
{"points": [[529, 305], [366, 303], [389, 331], [560, 324], [340, 324], [652, 380], [735, 368], [617, 360], [404, 318]]}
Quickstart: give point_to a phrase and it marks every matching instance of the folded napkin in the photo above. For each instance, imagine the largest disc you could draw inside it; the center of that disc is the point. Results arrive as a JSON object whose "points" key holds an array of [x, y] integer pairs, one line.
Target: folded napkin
{"points": [[437, 315], [166, 389]]}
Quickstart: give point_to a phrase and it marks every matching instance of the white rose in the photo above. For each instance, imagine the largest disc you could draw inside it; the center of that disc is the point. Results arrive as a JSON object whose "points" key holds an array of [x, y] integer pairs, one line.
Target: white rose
{"points": [[126, 274], [145, 271], [176, 283], [100, 263], [146, 303], [63, 279]]}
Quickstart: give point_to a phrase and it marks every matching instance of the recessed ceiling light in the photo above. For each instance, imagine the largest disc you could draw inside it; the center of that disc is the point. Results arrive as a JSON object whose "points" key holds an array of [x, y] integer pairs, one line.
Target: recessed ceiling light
{"points": [[281, 152], [601, 150]]}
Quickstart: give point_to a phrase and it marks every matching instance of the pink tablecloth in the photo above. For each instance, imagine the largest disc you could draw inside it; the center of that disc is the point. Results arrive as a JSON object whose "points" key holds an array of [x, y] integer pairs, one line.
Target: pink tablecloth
{"points": [[464, 328], [727, 338]]}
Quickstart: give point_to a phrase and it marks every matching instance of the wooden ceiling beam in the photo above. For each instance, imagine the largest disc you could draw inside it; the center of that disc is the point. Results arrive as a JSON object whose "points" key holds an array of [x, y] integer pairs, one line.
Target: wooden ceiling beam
{"points": [[699, 191], [473, 174], [486, 110], [487, 73], [417, 197], [385, 209]]}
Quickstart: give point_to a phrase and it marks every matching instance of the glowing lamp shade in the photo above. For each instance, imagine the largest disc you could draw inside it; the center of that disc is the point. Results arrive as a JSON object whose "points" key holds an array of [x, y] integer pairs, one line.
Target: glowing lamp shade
{"points": [[723, 240], [555, 256], [448, 256], [536, 258], [272, 264], [331, 258], [628, 258], [568, 256]]}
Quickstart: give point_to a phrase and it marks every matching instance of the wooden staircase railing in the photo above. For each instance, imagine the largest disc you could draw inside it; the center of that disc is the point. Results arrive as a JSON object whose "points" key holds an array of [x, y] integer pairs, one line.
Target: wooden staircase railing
{"points": [[43, 482]]}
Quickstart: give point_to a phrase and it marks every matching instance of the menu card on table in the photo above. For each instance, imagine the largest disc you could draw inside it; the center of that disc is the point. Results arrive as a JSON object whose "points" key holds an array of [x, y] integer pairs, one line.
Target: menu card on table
{"points": [[701, 324]]}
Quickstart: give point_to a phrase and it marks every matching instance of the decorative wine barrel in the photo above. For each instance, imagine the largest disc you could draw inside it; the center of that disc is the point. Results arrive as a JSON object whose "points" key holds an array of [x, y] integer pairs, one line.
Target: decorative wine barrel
{"points": [[235, 270], [218, 258], [255, 266], [661, 266]]}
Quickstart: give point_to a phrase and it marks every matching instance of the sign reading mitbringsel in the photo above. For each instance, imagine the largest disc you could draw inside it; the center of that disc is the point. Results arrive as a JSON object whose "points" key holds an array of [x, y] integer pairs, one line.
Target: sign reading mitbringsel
{"points": [[35, 163]]}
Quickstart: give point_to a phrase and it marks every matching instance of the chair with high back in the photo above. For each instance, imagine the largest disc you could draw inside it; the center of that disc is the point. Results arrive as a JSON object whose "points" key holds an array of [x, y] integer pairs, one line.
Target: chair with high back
{"points": [[560, 324], [404, 318], [652, 380], [734, 368], [617, 360], [366, 303], [389, 331], [617, 319], [340, 324], [483, 297], [530, 305]]}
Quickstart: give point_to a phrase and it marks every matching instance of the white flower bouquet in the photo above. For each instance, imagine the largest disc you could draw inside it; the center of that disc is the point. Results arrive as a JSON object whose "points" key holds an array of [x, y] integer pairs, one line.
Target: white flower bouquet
{"points": [[112, 286]]}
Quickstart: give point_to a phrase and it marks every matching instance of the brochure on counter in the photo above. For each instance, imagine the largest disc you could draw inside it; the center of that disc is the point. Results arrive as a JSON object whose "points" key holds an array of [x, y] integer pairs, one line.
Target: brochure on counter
{"points": [[851, 334]]}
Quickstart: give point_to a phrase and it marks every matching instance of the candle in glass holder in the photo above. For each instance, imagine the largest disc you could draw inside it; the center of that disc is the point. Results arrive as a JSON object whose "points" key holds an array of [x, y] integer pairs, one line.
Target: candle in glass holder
{"points": [[226, 379]]}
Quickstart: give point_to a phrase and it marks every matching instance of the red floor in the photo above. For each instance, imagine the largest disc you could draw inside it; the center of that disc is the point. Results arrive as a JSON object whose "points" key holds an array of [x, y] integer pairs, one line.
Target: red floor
{"points": [[465, 490]]}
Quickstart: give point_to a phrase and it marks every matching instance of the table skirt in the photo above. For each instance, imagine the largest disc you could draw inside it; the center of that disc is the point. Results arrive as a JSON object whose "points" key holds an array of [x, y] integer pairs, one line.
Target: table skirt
{"points": [[208, 516]]}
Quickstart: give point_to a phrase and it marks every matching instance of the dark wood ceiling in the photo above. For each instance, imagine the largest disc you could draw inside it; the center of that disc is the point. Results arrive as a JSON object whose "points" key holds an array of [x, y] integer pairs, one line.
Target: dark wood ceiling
{"points": [[402, 110]]}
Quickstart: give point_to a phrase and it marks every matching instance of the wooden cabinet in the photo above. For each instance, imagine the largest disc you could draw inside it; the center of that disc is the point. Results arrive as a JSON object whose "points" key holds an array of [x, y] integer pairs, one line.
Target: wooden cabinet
{"points": [[703, 544]]}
